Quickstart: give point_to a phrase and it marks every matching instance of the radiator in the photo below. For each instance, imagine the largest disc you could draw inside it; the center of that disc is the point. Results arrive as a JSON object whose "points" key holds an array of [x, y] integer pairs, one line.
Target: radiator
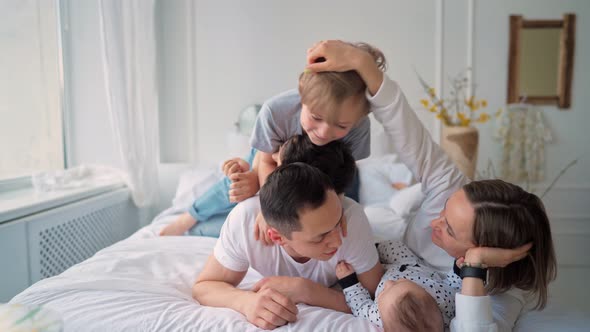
{"points": [[64, 236]]}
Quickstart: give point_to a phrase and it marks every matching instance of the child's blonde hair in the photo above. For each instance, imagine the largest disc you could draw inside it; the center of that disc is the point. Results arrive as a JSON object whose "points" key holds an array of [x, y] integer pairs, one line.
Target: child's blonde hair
{"points": [[327, 90]]}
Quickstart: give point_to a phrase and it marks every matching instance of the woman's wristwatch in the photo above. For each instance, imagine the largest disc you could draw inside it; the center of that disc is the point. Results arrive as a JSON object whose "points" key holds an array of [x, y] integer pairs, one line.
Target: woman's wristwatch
{"points": [[479, 271]]}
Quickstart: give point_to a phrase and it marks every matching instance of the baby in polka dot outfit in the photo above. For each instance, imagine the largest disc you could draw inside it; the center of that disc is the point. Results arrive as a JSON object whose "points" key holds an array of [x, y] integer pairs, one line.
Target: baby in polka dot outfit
{"points": [[411, 294]]}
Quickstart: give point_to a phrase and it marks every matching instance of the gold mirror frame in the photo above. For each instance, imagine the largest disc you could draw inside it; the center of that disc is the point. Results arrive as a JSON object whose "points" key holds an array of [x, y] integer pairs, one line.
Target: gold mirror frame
{"points": [[565, 65]]}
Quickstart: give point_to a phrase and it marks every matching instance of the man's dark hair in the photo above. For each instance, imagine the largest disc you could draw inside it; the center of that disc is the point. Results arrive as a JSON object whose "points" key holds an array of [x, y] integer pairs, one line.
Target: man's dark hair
{"points": [[334, 159], [289, 190]]}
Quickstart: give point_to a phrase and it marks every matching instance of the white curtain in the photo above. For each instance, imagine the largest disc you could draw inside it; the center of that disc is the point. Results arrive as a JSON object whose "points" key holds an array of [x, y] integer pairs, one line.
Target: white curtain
{"points": [[128, 41]]}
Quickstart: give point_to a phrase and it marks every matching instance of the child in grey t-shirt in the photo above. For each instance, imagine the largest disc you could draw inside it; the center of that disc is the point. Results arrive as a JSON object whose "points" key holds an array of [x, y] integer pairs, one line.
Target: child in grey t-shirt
{"points": [[327, 106]]}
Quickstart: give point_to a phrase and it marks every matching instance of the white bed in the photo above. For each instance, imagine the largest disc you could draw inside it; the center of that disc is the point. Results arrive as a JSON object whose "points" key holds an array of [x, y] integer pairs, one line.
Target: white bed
{"points": [[144, 284]]}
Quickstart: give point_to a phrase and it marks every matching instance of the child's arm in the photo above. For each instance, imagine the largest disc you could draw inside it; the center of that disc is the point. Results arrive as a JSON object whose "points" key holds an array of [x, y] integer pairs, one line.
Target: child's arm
{"points": [[266, 164], [357, 297]]}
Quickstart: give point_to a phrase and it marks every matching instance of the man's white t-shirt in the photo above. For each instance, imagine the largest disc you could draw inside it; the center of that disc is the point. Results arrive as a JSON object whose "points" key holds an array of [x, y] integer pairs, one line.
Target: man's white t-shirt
{"points": [[237, 250]]}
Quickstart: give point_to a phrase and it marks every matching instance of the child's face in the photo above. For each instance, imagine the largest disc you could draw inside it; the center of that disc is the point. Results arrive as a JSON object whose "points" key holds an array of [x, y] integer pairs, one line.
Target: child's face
{"points": [[324, 126]]}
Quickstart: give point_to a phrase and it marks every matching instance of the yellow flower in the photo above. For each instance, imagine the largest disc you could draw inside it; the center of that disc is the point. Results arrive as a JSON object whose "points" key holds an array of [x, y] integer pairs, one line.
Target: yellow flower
{"points": [[461, 116], [433, 109], [469, 102], [424, 102], [484, 103], [483, 117], [431, 92]]}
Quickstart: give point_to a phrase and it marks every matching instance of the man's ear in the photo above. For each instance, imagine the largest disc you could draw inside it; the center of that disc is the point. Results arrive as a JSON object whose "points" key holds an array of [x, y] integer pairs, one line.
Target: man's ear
{"points": [[275, 236]]}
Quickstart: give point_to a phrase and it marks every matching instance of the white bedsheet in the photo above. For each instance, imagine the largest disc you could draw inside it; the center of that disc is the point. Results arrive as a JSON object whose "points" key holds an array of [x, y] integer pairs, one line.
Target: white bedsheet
{"points": [[144, 284]]}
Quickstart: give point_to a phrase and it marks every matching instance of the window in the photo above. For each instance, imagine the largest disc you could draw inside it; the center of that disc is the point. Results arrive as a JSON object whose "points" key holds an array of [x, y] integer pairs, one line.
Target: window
{"points": [[30, 88]]}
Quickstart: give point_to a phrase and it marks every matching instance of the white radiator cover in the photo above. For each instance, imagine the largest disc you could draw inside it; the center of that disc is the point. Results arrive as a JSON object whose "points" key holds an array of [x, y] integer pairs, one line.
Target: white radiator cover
{"points": [[64, 236]]}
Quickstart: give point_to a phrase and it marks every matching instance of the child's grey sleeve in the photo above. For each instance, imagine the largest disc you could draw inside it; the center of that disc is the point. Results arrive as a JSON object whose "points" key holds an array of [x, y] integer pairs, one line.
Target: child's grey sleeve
{"points": [[360, 303], [359, 139], [266, 136]]}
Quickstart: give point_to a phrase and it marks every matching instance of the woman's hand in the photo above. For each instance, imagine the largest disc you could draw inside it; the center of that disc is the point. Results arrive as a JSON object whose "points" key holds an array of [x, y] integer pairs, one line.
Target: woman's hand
{"points": [[261, 230], [338, 56], [335, 55], [494, 257]]}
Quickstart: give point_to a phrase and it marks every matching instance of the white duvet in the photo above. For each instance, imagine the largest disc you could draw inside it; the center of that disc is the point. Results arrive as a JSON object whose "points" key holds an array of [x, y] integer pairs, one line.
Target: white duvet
{"points": [[144, 284]]}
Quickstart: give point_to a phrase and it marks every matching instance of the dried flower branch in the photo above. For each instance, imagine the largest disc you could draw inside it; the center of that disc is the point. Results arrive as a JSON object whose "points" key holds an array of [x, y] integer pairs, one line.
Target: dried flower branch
{"points": [[459, 109]]}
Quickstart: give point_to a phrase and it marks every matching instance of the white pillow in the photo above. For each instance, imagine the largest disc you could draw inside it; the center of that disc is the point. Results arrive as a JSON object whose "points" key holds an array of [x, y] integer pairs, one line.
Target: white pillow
{"points": [[407, 201], [376, 175], [193, 183], [385, 224]]}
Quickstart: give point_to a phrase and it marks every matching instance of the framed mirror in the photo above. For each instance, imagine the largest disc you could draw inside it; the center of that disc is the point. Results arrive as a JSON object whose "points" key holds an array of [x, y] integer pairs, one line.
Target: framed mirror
{"points": [[541, 60]]}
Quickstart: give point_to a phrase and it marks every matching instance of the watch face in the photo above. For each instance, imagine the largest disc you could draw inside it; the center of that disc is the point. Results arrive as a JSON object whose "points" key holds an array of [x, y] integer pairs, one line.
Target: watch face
{"points": [[247, 118]]}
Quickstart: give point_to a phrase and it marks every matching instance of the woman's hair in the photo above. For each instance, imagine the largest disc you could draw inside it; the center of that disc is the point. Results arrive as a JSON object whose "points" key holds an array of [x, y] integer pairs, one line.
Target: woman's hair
{"points": [[327, 90], [506, 216]]}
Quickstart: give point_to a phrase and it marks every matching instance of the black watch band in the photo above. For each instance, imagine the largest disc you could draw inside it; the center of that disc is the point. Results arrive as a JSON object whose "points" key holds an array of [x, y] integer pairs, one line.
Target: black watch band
{"points": [[474, 272], [349, 280]]}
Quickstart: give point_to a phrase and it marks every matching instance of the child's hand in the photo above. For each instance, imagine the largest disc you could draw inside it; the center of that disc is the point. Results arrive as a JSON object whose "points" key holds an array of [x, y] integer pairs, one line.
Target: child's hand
{"points": [[244, 185], [343, 269], [235, 165], [334, 55], [260, 230]]}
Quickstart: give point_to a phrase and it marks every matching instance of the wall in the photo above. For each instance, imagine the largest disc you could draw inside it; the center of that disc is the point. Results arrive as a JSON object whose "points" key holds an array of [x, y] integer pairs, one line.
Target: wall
{"points": [[567, 203], [247, 52]]}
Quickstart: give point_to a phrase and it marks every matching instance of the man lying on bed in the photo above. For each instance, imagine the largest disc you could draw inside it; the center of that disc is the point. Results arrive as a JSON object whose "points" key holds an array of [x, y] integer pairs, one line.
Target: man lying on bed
{"points": [[306, 211]]}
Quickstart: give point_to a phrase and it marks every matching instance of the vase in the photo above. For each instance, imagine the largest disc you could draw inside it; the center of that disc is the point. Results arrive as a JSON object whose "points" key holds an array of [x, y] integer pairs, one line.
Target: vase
{"points": [[461, 144]]}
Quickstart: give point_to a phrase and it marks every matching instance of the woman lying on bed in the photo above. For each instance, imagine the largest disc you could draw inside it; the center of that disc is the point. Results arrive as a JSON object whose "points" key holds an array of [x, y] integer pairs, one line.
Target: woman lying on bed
{"points": [[498, 233]]}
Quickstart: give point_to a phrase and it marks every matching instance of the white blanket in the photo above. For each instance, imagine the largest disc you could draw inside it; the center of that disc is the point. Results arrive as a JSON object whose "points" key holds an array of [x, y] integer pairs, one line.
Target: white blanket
{"points": [[144, 284]]}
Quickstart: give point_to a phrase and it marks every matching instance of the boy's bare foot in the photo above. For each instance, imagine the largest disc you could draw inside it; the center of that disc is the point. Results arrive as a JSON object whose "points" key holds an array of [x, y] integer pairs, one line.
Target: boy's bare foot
{"points": [[179, 226]]}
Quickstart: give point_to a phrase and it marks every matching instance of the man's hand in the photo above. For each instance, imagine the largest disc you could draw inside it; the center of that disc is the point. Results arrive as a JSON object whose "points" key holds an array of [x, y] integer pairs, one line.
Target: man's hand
{"points": [[261, 230], [269, 309], [343, 269], [235, 165], [244, 185], [494, 257], [291, 287]]}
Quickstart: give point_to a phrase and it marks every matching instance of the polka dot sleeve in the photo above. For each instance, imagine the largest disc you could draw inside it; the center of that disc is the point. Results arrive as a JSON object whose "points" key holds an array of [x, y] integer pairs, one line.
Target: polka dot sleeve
{"points": [[359, 301]]}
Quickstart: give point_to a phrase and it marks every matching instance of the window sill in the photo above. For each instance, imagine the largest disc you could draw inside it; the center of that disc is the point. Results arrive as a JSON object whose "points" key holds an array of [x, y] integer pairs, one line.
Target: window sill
{"points": [[20, 203]]}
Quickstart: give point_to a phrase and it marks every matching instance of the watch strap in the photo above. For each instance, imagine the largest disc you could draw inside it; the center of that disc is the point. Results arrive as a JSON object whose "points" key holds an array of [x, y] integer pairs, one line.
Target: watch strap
{"points": [[349, 280], [474, 272]]}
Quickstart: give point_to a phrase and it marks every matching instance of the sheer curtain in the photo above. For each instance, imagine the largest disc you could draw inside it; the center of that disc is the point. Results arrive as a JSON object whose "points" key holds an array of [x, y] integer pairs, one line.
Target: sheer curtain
{"points": [[128, 41]]}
